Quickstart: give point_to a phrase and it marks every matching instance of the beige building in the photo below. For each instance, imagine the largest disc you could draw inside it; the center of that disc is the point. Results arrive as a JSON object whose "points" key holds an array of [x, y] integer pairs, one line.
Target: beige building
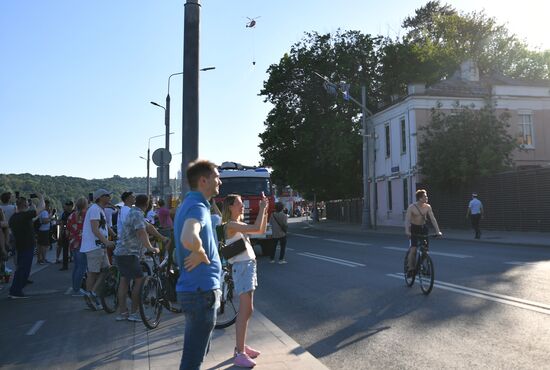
{"points": [[395, 171]]}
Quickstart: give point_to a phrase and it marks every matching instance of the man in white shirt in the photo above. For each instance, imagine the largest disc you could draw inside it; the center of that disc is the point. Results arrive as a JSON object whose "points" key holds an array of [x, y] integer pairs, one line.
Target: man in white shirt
{"points": [[95, 233], [475, 213], [129, 200]]}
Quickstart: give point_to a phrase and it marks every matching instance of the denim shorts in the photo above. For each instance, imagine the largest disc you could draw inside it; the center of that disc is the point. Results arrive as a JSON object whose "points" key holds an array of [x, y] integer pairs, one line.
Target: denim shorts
{"points": [[244, 276]]}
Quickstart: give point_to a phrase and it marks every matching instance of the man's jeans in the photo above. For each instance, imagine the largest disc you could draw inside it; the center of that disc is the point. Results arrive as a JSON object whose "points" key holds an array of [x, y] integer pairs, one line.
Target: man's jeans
{"points": [[24, 263], [80, 267], [200, 317]]}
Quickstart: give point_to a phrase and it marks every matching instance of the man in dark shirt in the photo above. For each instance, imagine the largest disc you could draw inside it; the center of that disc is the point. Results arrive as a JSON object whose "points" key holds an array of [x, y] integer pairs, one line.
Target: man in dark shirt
{"points": [[63, 240], [21, 224]]}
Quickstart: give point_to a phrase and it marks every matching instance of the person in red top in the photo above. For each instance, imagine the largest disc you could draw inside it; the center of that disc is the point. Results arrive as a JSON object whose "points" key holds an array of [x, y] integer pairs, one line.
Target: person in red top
{"points": [[163, 213], [74, 227]]}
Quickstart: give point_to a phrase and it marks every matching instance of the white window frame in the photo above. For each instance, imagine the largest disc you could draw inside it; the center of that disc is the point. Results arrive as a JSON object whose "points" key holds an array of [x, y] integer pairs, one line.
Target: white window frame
{"points": [[526, 129]]}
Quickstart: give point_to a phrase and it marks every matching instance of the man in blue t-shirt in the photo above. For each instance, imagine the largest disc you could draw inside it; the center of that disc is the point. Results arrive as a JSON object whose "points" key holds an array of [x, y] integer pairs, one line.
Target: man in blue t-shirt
{"points": [[198, 286]]}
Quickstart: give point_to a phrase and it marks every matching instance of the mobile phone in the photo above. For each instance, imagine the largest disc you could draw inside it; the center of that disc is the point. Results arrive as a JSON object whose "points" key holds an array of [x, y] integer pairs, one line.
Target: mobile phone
{"points": [[91, 197], [16, 194], [33, 195]]}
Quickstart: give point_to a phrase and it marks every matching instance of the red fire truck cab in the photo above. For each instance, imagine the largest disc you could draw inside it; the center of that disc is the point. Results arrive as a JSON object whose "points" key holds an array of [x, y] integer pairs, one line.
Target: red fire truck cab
{"points": [[249, 182]]}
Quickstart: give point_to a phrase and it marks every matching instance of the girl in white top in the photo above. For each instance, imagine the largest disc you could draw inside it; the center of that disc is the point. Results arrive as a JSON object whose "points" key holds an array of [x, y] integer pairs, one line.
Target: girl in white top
{"points": [[244, 269]]}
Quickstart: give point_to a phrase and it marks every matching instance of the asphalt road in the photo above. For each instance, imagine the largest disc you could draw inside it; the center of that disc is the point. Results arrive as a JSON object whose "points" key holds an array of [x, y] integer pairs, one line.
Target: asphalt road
{"points": [[343, 298]]}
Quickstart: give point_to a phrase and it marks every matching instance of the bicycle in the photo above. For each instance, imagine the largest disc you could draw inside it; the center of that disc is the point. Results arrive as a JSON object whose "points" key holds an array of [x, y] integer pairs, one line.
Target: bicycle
{"points": [[109, 291], [154, 293], [424, 267], [229, 302]]}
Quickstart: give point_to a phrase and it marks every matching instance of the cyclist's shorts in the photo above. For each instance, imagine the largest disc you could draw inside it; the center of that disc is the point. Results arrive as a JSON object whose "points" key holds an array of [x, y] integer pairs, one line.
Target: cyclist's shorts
{"points": [[415, 231], [129, 266]]}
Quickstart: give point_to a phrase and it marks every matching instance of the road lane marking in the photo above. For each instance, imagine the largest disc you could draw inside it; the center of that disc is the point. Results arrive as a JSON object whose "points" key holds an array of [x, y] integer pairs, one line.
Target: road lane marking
{"points": [[35, 327], [346, 242], [332, 259], [483, 294], [518, 263], [306, 236], [432, 253]]}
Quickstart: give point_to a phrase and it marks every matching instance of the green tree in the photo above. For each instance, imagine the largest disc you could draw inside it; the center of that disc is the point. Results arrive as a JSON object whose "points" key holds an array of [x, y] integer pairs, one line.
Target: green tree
{"points": [[456, 148], [312, 139], [438, 38]]}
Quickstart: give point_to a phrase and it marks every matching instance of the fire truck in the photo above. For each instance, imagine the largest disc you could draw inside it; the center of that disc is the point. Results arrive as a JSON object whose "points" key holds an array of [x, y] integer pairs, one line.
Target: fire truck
{"points": [[249, 182]]}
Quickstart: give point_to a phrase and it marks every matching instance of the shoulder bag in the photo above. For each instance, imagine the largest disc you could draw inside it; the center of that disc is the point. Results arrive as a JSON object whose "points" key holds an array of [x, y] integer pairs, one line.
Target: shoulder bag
{"points": [[230, 250]]}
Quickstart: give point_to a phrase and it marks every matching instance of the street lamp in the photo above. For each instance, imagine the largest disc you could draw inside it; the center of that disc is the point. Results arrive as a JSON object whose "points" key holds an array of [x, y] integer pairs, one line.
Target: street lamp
{"points": [[344, 88], [167, 110], [149, 160]]}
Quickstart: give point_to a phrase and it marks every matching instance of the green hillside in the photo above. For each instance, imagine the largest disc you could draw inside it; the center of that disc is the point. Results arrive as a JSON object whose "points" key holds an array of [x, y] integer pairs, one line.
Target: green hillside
{"points": [[60, 188]]}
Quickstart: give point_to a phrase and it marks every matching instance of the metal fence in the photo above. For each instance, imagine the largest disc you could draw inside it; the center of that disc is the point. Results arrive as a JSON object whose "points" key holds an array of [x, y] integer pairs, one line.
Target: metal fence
{"points": [[516, 200]]}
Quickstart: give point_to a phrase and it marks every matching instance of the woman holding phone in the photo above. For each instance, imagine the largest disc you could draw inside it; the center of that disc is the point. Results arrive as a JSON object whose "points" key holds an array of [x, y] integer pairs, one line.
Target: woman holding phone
{"points": [[243, 269]]}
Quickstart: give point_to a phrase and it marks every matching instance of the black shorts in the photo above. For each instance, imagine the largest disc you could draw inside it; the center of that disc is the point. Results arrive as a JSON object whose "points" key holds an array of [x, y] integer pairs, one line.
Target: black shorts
{"points": [[43, 237], [416, 231], [129, 266]]}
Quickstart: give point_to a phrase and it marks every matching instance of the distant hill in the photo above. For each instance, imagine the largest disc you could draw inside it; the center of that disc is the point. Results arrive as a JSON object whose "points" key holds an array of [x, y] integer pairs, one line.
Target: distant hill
{"points": [[60, 188]]}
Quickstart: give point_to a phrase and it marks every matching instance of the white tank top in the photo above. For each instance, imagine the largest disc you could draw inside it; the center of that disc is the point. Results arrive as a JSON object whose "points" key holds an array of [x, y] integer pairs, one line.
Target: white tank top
{"points": [[246, 255]]}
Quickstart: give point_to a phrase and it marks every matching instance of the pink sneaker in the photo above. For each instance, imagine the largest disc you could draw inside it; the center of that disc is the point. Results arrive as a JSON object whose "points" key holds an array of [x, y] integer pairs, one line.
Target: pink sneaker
{"points": [[251, 352], [243, 360]]}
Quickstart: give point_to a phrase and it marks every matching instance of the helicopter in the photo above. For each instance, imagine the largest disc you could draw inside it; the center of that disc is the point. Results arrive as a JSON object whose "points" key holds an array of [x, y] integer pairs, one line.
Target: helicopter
{"points": [[251, 22]]}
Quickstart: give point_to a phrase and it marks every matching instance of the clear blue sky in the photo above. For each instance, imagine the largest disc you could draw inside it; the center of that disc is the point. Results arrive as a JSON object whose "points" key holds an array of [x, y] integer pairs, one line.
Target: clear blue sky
{"points": [[76, 77]]}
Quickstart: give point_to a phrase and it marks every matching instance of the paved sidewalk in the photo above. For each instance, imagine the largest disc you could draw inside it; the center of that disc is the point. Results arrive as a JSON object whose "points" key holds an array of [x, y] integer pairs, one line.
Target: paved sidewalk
{"points": [[501, 237], [161, 348]]}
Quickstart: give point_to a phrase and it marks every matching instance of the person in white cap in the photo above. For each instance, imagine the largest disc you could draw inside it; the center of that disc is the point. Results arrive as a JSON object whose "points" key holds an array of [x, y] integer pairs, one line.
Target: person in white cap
{"points": [[95, 233], [475, 213]]}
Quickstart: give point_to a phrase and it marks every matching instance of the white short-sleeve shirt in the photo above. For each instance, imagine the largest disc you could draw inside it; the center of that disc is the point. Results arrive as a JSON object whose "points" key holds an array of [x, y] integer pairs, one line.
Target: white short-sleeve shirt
{"points": [[95, 212]]}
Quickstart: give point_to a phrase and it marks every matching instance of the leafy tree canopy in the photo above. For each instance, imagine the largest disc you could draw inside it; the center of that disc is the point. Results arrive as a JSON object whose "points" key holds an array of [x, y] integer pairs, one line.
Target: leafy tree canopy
{"points": [[312, 140], [58, 189], [456, 148]]}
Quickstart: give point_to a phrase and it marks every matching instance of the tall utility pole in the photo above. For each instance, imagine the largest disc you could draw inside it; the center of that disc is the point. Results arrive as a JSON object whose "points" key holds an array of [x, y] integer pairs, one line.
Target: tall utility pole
{"points": [[190, 116], [332, 88], [366, 186]]}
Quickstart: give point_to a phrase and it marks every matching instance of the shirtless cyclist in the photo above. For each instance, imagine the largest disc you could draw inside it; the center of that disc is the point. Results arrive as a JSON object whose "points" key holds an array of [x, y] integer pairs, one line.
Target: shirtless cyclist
{"points": [[415, 224]]}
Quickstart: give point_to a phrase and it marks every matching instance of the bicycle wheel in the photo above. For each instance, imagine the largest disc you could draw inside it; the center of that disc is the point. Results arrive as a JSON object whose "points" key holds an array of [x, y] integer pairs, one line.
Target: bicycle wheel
{"points": [[409, 280], [426, 274], [150, 306], [109, 292], [229, 303]]}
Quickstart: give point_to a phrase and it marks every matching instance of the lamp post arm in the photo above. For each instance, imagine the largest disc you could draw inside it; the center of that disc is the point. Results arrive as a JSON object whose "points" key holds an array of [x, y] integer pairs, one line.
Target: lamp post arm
{"points": [[173, 74]]}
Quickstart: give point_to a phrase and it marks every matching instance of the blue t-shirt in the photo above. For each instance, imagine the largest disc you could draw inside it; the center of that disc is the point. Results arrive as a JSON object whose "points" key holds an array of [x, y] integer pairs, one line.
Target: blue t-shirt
{"points": [[203, 277]]}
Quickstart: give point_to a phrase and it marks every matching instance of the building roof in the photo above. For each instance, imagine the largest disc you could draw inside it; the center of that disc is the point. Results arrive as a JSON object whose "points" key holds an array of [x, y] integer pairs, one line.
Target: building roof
{"points": [[456, 86]]}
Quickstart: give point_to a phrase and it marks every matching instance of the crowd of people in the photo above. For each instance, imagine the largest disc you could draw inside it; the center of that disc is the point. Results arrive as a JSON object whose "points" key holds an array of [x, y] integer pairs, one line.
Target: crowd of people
{"points": [[90, 233], [83, 234]]}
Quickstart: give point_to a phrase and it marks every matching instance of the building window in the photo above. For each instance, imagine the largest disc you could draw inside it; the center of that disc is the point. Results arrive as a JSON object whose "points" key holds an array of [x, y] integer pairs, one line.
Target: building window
{"points": [[405, 194], [388, 140], [403, 137], [389, 196], [526, 132]]}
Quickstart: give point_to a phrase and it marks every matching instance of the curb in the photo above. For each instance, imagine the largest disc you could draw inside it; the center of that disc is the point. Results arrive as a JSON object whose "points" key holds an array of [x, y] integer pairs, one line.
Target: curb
{"points": [[319, 226]]}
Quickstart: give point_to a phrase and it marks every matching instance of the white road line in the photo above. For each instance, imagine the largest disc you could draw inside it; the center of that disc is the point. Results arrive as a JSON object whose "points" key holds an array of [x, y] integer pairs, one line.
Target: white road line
{"points": [[432, 253], [346, 242], [68, 291], [518, 263], [483, 294], [306, 236], [332, 259], [35, 327], [327, 260]]}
